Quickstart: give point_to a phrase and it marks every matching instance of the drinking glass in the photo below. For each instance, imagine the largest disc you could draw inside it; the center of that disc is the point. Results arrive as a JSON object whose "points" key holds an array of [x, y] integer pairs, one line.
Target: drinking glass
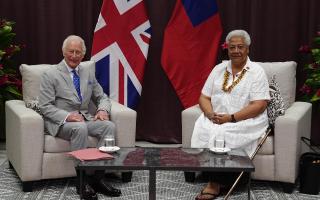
{"points": [[109, 141], [219, 141]]}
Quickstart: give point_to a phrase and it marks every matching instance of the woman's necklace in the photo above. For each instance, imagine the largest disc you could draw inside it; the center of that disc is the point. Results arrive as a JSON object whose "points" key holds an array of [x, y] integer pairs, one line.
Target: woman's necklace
{"points": [[234, 83]]}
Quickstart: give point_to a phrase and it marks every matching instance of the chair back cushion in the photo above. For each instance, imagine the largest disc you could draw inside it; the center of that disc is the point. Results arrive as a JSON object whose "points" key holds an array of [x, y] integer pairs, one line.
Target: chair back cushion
{"points": [[31, 76], [285, 75]]}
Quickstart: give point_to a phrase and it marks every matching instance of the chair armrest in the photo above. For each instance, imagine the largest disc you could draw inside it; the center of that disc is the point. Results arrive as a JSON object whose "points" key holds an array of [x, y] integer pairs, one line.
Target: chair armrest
{"points": [[24, 140], [125, 121], [288, 130], [189, 117]]}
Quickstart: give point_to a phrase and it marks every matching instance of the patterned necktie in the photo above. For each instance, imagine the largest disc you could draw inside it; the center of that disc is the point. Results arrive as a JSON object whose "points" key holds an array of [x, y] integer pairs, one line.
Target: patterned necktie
{"points": [[76, 83]]}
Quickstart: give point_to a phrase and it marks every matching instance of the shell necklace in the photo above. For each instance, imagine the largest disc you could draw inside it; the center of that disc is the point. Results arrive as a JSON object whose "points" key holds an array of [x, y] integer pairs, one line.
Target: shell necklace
{"points": [[234, 83]]}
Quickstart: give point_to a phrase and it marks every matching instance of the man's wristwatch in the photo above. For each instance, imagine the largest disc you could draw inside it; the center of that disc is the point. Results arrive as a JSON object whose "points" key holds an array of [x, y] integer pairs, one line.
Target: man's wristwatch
{"points": [[233, 120]]}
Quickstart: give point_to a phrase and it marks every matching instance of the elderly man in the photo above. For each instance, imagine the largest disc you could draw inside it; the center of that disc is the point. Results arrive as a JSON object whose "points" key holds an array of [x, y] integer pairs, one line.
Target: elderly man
{"points": [[233, 100], [65, 93]]}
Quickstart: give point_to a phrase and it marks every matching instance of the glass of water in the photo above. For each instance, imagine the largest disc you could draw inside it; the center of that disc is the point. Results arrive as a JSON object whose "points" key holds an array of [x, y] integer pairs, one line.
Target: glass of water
{"points": [[219, 141], [110, 141]]}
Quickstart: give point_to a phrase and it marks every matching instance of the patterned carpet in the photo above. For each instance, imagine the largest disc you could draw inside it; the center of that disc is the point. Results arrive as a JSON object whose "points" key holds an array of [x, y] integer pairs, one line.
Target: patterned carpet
{"points": [[170, 186]]}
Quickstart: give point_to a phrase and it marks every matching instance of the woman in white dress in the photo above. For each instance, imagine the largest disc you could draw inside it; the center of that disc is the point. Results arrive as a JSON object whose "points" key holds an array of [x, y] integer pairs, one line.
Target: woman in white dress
{"points": [[233, 100]]}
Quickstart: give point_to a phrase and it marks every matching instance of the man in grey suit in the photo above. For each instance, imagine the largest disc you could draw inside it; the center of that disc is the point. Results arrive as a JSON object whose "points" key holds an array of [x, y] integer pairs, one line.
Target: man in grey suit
{"points": [[65, 93]]}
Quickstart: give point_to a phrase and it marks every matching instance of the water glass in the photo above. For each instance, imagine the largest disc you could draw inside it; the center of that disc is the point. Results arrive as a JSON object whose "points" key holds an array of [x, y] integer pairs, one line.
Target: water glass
{"points": [[219, 142], [110, 141]]}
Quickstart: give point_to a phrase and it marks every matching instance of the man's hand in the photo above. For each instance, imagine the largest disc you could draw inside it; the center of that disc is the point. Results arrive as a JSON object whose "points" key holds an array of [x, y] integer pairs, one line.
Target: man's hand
{"points": [[101, 115], [75, 117]]}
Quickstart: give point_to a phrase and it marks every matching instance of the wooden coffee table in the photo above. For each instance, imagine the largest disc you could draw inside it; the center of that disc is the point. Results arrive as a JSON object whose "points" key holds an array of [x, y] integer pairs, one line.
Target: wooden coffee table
{"points": [[169, 159]]}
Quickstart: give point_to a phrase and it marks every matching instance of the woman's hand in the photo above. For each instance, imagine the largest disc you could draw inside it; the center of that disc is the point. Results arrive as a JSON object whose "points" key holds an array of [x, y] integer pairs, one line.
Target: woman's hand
{"points": [[221, 118], [210, 115]]}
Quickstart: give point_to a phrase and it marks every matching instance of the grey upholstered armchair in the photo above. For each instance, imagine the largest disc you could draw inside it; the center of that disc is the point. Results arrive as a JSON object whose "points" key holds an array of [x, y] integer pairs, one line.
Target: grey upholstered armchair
{"points": [[278, 158], [36, 156]]}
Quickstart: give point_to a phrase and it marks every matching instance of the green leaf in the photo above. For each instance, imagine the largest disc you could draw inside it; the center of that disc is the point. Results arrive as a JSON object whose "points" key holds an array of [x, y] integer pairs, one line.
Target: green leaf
{"points": [[9, 67], [317, 40], [315, 98], [13, 90]]}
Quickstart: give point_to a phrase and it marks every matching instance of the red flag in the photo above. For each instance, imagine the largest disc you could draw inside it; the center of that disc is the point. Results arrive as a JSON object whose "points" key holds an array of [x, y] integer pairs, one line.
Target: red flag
{"points": [[190, 47]]}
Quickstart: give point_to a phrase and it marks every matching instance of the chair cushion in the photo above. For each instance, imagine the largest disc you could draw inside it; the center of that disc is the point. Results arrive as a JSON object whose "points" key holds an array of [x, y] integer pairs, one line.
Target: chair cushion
{"points": [[34, 105], [275, 105], [267, 147], [31, 76], [58, 145], [286, 77]]}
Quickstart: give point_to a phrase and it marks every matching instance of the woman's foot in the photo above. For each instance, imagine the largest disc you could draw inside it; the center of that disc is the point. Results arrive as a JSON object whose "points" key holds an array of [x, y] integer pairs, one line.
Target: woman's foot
{"points": [[211, 191]]}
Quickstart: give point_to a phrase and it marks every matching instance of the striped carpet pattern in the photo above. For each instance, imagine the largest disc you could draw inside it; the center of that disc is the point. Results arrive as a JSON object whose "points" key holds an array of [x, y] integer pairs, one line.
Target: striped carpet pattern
{"points": [[170, 186]]}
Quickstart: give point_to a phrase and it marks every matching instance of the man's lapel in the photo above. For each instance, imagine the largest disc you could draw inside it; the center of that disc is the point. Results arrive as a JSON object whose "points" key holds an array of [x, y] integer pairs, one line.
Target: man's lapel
{"points": [[66, 76], [83, 74]]}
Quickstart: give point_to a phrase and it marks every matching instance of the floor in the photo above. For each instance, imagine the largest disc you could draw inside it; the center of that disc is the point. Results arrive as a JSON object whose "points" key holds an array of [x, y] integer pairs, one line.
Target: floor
{"points": [[3, 156]]}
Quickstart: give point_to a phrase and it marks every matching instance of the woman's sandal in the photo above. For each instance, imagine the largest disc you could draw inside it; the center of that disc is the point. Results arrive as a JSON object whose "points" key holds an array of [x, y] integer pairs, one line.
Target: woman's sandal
{"points": [[206, 196]]}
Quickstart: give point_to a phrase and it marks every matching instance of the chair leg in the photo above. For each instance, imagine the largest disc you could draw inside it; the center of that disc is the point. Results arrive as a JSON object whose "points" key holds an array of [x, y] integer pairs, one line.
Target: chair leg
{"points": [[126, 176], [288, 187], [10, 165], [27, 186], [189, 176]]}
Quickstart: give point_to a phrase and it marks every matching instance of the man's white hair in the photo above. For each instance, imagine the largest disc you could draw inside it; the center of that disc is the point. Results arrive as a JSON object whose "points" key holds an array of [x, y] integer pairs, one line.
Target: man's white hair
{"points": [[239, 33], [74, 38]]}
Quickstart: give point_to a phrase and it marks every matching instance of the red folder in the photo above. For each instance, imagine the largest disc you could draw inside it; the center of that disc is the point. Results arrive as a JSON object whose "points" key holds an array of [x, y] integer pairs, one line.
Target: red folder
{"points": [[89, 154]]}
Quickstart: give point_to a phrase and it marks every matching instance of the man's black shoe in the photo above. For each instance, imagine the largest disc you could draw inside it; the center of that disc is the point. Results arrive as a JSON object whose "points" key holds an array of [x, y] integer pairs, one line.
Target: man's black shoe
{"points": [[104, 187], [88, 193]]}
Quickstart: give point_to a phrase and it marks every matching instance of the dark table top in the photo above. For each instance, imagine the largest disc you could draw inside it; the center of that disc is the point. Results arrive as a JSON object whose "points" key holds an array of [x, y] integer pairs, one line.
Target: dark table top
{"points": [[145, 158]]}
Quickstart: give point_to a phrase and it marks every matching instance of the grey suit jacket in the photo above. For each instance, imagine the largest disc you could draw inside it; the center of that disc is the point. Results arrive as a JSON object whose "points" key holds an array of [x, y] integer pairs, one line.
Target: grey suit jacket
{"points": [[58, 96]]}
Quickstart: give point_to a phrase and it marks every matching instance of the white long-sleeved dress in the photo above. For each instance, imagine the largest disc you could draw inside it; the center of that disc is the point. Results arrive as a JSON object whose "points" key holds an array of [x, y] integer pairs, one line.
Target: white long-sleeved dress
{"points": [[243, 134]]}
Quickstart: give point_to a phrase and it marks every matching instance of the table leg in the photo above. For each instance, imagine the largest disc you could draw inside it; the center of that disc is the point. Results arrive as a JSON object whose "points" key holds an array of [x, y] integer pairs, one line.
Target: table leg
{"points": [[126, 176], [81, 183], [189, 176], [249, 185], [152, 184]]}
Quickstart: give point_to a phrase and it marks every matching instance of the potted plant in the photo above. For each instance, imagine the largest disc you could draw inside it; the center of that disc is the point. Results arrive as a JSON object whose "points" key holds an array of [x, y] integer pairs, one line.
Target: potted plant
{"points": [[311, 87], [10, 83], [310, 91]]}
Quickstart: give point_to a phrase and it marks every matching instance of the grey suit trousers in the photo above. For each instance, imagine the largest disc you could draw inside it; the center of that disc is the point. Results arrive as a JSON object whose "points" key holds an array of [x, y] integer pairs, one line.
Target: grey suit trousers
{"points": [[77, 132]]}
